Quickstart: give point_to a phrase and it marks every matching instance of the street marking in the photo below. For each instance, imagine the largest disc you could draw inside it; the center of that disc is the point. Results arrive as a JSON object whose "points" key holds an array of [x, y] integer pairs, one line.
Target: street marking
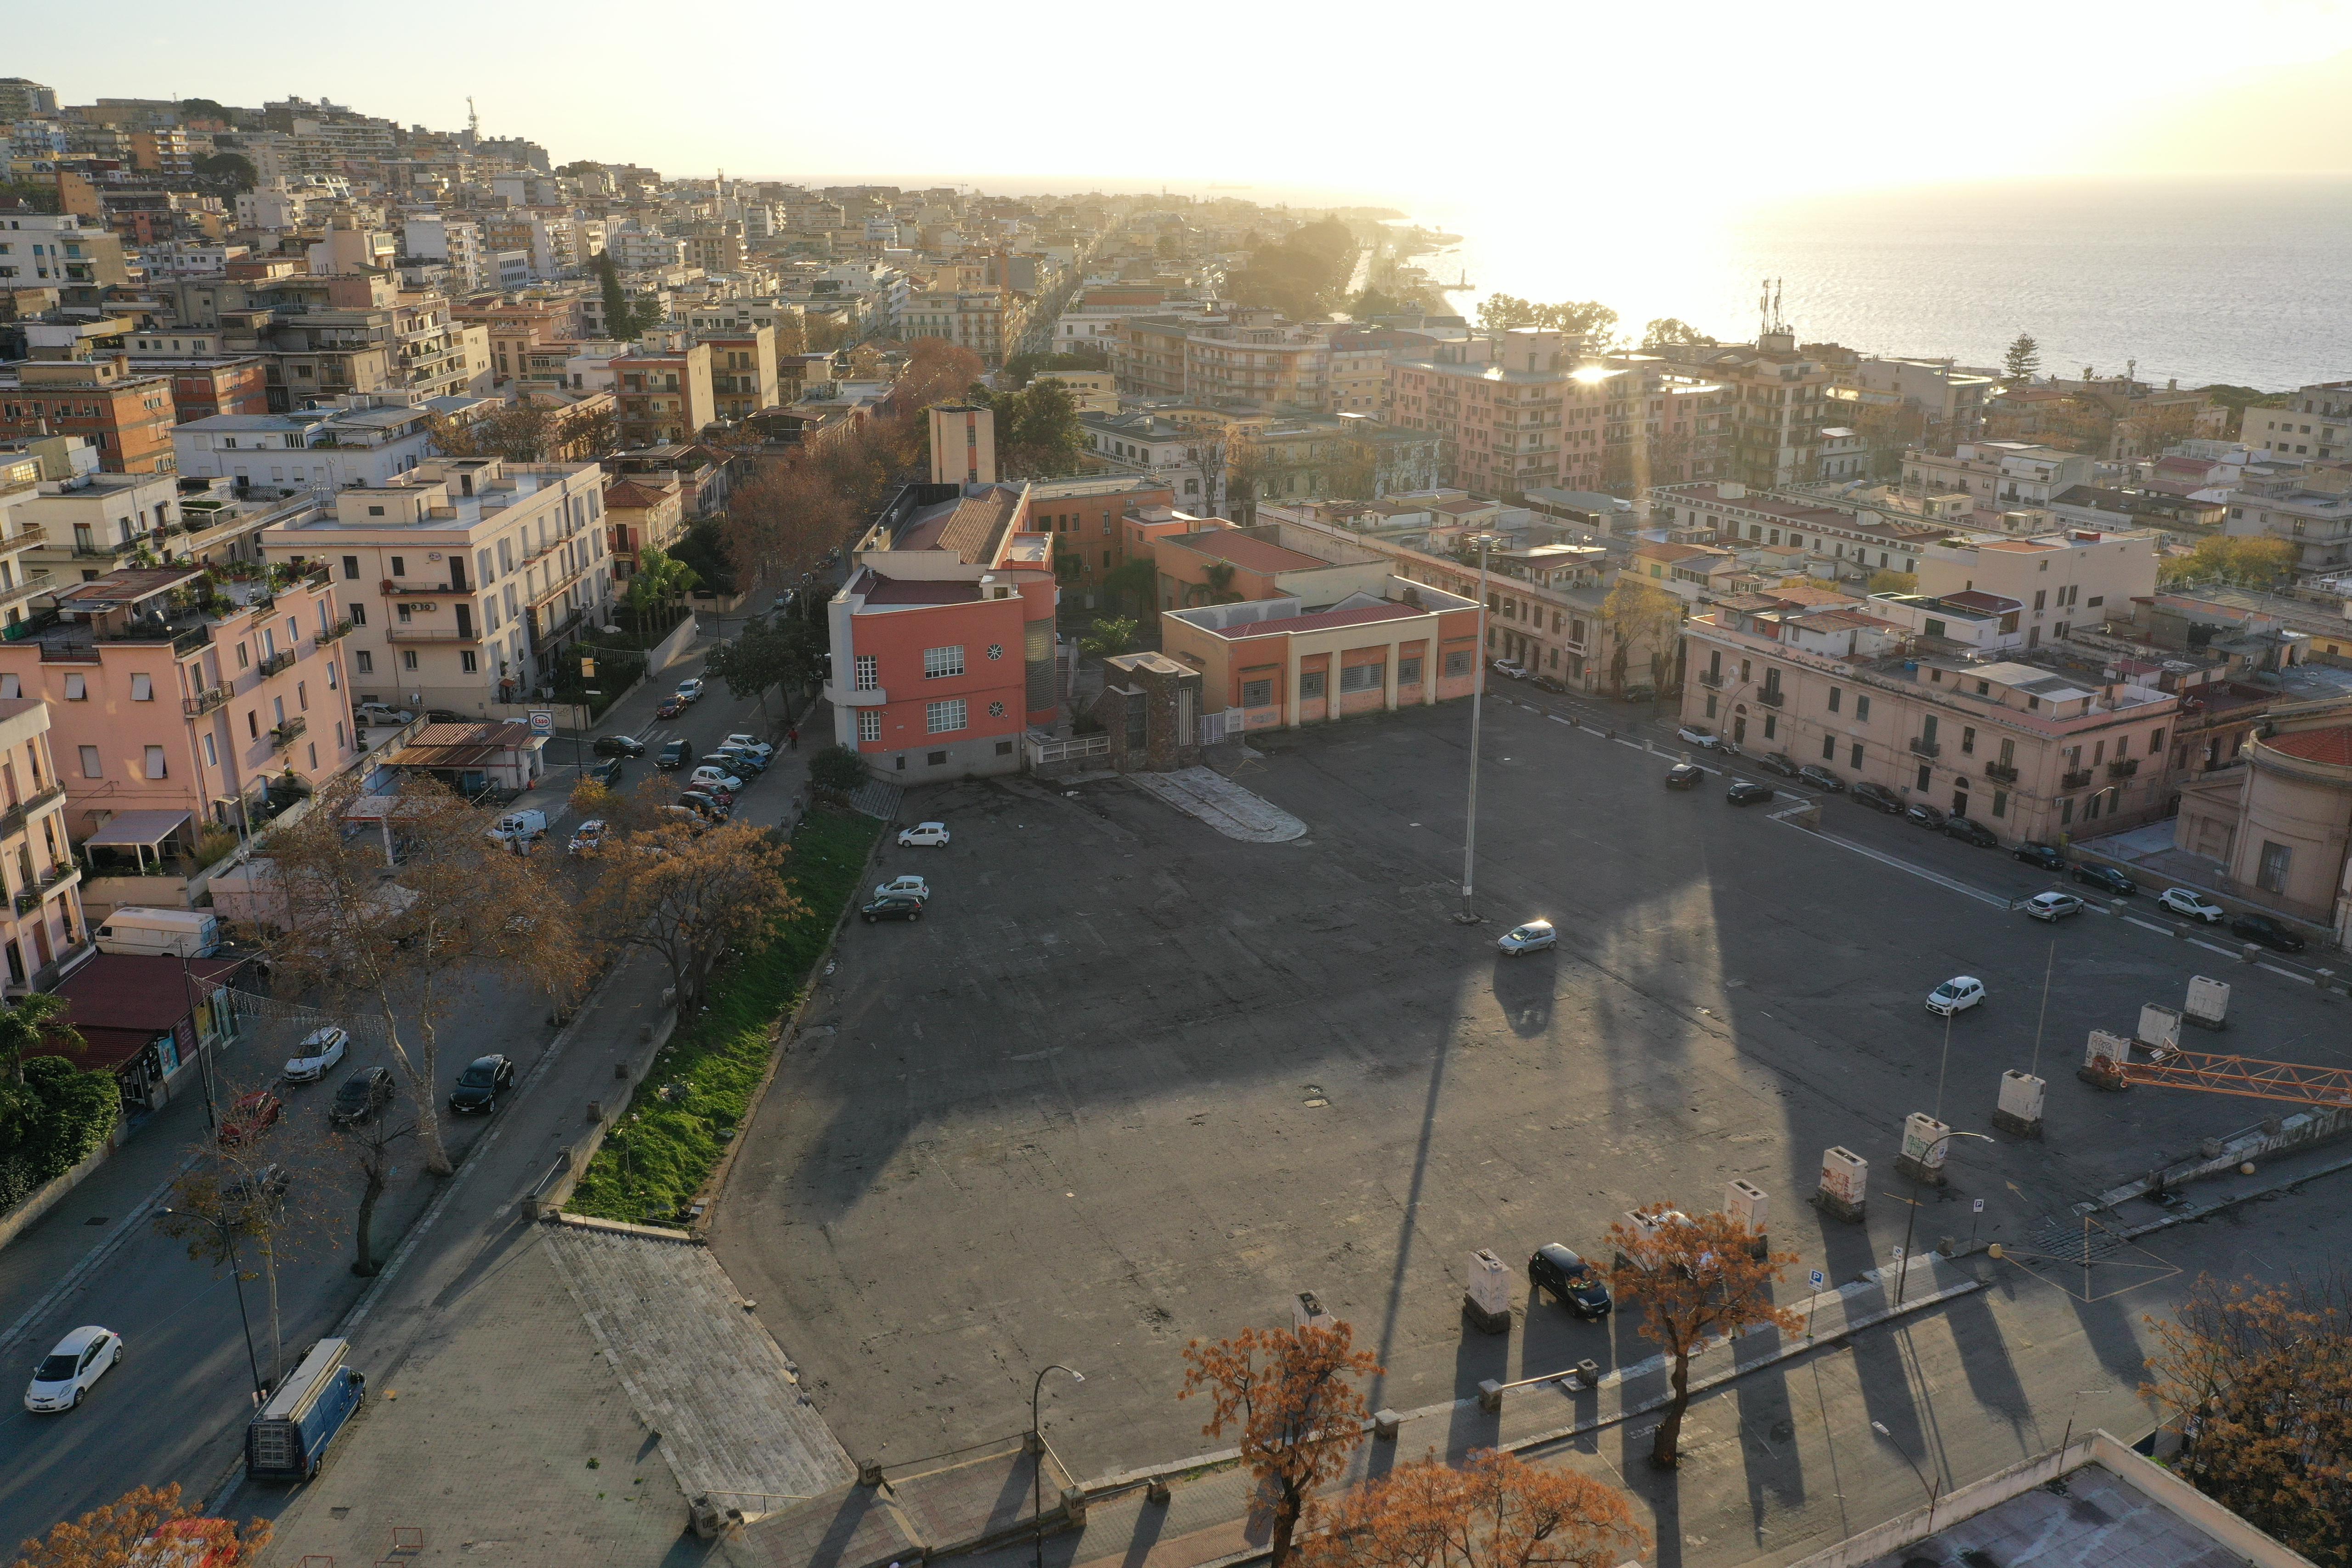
{"points": [[1939, 878], [2147, 925], [2290, 974], [2211, 947]]}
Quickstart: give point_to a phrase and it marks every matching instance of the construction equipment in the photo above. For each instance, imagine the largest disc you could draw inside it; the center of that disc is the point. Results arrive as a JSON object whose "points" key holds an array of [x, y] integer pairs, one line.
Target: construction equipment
{"points": [[2107, 1065]]}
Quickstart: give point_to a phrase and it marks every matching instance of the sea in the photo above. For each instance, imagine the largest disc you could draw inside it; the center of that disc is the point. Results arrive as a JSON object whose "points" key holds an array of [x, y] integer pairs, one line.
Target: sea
{"points": [[2247, 282]]}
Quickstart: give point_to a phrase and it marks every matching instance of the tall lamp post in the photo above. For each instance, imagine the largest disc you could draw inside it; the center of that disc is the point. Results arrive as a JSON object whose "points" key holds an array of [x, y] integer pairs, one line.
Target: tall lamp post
{"points": [[1469, 916], [1880, 1428], [1037, 1459], [237, 1277], [1911, 1220]]}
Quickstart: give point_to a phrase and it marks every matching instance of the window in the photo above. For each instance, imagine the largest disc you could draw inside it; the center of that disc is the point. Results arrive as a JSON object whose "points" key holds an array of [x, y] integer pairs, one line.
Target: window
{"points": [[1771, 725], [938, 718], [142, 688], [364, 662], [330, 674], [1857, 753], [1835, 697], [212, 753], [2155, 741], [1927, 778], [869, 674], [350, 569], [2001, 802], [2272, 878], [2065, 811], [359, 614], [1311, 684], [1968, 740], [1361, 677], [939, 663], [1829, 748], [1710, 704], [869, 725], [155, 766], [13, 686], [77, 688], [408, 658], [1457, 662], [243, 657], [1257, 693], [1860, 709], [400, 566], [468, 662], [91, 765], [1408, 672]]}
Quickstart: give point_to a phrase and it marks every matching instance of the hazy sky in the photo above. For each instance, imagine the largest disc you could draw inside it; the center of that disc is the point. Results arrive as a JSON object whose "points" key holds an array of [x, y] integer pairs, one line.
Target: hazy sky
{"points": [[1525, 100]]}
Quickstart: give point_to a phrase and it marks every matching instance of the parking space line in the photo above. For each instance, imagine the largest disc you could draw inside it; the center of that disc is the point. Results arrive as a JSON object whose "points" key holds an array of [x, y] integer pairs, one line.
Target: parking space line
{"points": [[2211, 947], [2290, 974], [1939, 878], [2147, 925]]}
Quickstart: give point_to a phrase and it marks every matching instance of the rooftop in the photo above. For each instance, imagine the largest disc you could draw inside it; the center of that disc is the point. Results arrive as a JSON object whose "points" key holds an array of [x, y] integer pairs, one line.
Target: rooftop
{"points": [[1241, 550], [1318, 621], [2332, 746], [969, 527]]}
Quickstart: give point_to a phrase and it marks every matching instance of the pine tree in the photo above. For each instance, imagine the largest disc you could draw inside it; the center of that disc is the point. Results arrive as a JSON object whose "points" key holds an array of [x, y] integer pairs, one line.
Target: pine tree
{"points": [[2024, 358], [621, 318]]}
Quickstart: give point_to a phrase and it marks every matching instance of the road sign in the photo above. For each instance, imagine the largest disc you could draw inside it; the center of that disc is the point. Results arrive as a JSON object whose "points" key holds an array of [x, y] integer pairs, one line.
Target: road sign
{"points": [[1818, 1280], [1978, 1209], [542, 721], [1899, 1254]]}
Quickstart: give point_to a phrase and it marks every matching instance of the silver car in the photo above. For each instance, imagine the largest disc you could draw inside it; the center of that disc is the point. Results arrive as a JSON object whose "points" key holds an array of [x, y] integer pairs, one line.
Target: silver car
{"points": [[1532, 937]]}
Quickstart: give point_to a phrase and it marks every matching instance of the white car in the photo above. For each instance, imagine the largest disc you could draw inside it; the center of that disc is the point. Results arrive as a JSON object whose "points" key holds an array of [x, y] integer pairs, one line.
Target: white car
{"points": [[1509, 668], [64, 1375], [1957, 995], [320, 1050], [2052, 906], [908, 886], [1533, 937], [720, 777], [589, 838], [524, 825], [2194, 906], [923, 834], [750, 743], [379, 714], [1695, 735], [690, 690]]}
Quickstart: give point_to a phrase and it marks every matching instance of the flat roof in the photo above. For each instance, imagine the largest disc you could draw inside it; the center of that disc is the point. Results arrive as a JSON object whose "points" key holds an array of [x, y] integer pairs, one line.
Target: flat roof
{"points": [[1319, 621], [1258, 555]]}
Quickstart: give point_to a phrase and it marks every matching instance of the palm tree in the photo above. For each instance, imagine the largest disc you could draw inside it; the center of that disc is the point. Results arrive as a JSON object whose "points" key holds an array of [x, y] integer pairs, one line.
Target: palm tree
{"points": [[36, 1022]]}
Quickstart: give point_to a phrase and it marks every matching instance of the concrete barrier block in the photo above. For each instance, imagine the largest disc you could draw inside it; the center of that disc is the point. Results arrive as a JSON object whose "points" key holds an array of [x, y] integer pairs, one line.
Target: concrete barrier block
{"points": [[1490, 1394]]}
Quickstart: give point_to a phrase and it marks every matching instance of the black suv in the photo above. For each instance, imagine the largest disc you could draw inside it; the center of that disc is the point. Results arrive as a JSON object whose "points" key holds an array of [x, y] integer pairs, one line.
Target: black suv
{"points": [[363, 1093], [1969, 830], [1573, 1282], [1747, 792], [2108, 879], [1684, 776], [675, 755], [892, 909], [1878, 797], [2049, 857], [619, 745], [478, 1087], [2262, 928]]}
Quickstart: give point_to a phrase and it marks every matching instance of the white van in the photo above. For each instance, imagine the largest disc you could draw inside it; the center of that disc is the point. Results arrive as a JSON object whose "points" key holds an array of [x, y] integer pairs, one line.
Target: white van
{"points": [[168, 932], [527, 826]]}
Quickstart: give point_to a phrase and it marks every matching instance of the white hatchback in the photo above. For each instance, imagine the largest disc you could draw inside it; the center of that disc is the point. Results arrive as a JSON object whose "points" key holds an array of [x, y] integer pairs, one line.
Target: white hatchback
{"points": [[1957, 995], [750, 743], [933, 834], [320, 1050], [65, 1373], [720, 777], [908, 886], [1531, 937], [2194, 906]]}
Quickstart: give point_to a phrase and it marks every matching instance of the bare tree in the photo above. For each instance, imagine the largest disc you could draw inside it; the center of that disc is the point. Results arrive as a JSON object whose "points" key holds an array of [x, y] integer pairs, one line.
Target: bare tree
{"points": [[686, 897]]}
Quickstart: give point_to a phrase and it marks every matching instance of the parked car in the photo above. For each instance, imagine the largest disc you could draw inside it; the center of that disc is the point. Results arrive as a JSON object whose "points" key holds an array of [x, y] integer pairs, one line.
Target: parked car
{"points": [[932, 834], [362, 1094], [478, 1087], [1531, 937], [1780, 762], [266, 1185], [1506, 667], [1969, 830], [740, 763], [380, 714], [1572, 1283], [674, 755], [711, 807], [891, 909], [320, 1050], [609, 774], [741, 741], [1639, 695], [669, 707], [2049, 857], [686, 816], [65, 1375], [1924, 814], [1747, 792], [2263, 929], [1820, 777], [1545, 682], [1699, 735], [526, 826], [589, 838], [1878, 797], [1957, 995], [711, 775], [248, 1116], [2194, 906], [619, 745], [907, 887], [2052, 906], [1684, 775], [2108, 879], [691, 689]]}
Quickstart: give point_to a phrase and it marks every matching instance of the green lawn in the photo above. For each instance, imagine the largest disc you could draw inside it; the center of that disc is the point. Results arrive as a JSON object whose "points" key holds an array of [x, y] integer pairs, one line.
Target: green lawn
{"points": [[699, 1088]]}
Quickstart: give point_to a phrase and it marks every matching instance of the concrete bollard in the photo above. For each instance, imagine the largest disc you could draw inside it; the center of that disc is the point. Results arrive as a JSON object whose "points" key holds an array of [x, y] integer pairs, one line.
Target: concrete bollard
{"points": [[620, 1072], [1490, 1394], [1385, 1423], [869, 1473], [595, 1110], [1587, 1373], [1156, 1490]]}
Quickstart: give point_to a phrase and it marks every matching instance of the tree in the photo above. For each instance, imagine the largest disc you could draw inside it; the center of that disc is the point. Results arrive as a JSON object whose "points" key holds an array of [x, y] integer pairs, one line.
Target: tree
{"points": [[1133, 581], [1110, 635], [1037, 433], [624, 319], [2259, 1380], [231, 169], [585, 433], [234, 1194], [2249, 561], [408, 948], [1697, 1277], [837, 769], [1299, 1416], [1302, 275], [52, 1115], [686, 897], [1586, 319], [122, 1532], [39, 1023], [2023, 359], [1638, 616], [1497, 1512], [367, 1144], [1884, 582], [523, 431], [703, 550], [786, 652], [1672, 331], [783, 519], [657, 584]]}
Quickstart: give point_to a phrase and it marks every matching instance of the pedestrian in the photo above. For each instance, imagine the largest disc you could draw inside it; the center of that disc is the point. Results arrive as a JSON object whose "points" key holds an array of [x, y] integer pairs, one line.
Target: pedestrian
{"points": [[793, 737]]}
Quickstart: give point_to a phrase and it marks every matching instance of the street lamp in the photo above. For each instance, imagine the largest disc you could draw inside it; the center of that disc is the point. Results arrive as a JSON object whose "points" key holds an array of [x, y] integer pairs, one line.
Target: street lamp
{"points": [[1037, 1459], [1911, 1220], [237, 1277], [1469, 916], [1880, 1428]]}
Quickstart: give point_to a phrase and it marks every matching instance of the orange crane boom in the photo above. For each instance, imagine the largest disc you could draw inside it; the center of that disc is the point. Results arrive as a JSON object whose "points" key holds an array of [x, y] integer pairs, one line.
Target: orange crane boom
{"points": [[2296, 1082]]}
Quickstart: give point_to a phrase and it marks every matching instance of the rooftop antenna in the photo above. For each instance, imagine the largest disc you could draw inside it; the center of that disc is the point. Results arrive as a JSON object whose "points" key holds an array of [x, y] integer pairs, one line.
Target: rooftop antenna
{"points": [[473, 121], [1764, 309]]}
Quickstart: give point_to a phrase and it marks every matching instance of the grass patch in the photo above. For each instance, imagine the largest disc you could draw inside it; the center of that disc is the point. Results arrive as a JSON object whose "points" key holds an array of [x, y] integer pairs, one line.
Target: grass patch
{"points": [[698, 1090]]}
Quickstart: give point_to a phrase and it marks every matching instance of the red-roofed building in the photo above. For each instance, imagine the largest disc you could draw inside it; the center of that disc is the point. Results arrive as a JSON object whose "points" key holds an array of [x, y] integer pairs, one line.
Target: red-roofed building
{"points": [[1272, 662], [148, 1019], [2277, 831]]}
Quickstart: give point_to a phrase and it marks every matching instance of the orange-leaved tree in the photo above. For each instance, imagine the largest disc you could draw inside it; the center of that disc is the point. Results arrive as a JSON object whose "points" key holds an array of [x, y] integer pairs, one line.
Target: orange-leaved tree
{"points": [[149, 1526], [1497, 1512], [1298, 1414], [1696, 1277]]}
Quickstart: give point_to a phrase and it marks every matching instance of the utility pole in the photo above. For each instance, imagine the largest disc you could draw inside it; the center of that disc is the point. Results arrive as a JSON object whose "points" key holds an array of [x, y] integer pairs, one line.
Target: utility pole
{"points": [[1469, 916]]}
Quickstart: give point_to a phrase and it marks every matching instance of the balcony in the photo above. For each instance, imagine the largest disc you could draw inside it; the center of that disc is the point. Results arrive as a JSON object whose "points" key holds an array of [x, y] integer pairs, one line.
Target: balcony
{"points": [[1711, 679], [2074, 781], [204, 702], [281, 660], [35, 582], [13, 820], [2123, 767], [59, 879], [338, 630], [2001, 773], [1772, 697], [431, 635], [285, 734], [1922, 746], [399, 590]]}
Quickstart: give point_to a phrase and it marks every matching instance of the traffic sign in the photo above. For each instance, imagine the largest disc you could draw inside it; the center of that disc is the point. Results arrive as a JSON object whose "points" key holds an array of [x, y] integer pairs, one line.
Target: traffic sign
{"points": [[1818, 1280], [542, 721], [1979, 1207]]}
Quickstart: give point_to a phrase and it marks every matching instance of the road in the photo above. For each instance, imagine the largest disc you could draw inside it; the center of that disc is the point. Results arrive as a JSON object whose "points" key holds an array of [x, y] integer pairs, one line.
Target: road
{"points": [[172, 1411]]}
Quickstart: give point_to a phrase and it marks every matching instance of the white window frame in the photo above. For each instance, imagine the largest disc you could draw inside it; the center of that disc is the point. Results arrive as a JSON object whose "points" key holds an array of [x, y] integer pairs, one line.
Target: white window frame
{"points": [[945, 717], [158, 765], [940, 664], [869, 725], [867, 674]]}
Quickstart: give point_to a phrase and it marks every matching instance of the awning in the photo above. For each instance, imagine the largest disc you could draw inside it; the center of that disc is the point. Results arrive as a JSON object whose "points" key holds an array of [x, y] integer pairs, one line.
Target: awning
{"points": [[136, 828]]}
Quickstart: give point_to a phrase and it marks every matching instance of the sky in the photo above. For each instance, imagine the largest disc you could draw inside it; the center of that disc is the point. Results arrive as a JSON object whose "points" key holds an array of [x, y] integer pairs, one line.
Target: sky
{"points": [[1530, 101]]}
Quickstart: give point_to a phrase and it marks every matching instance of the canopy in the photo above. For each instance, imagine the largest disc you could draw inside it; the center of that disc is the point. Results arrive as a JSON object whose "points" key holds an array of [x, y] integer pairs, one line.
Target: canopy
{"points": [[130, 829]]}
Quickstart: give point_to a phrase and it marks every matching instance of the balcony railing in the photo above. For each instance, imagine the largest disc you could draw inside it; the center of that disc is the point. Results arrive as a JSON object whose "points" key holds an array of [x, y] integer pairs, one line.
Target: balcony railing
{"points": [[2123, 767], [281, 660], [2001, 772], [1772, 697], [399, 590], [15, 817], [2075, 779], [60, 877], [339, 629], [1711, 679], [432, 634], [204, 702], [33, 582], [285, 734], [1922, 746]]}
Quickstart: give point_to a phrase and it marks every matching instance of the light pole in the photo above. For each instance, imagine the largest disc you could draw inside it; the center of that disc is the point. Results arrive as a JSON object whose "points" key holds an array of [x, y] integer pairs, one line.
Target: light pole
{"points": [[1911, 1220], [1880, 1428], [1037, 1459], [237, 1277], [1469, 916]]}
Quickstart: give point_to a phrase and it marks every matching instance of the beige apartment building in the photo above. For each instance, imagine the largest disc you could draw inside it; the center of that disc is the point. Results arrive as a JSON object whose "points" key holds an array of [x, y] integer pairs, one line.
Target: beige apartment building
{"points": [[664, 391], [2033, 750], [1503, 405], [2066, 582], [1094, 392], [41, 921], [464, 581], [2278, 826]]}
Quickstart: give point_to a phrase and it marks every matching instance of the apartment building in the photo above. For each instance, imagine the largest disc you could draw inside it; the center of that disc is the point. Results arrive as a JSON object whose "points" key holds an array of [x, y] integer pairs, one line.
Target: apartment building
{"points": [[2276, 824], [662, 388], [169, 694], [1148, 355], [360, 438], [456, 243], [59, 251], [2316, 423], [1776, 400], [1728, 513], [85, 525], [514, 326], [1947, 403], [642, 514], [2310, 509], [1503, 406], [744, 374], [943, 643], [2032, 750], [465, 579], [2065, 582], [126, 415], [988, 322], [1084, 514], [25, 530], [1093, 392], [202, 386], [1996, 475], [1270, 363], [41, 923]]}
